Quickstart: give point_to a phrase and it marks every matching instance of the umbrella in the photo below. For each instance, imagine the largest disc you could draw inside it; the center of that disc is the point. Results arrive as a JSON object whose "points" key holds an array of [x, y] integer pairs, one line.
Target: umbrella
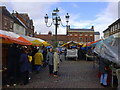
{"points": [[44, 42], [34, 41], [93, 43], [70, 42], [11, 37]]}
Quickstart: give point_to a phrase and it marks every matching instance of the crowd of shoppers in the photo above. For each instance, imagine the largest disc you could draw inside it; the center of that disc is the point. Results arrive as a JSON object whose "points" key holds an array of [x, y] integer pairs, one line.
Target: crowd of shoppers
{"points": [[23, 60]]}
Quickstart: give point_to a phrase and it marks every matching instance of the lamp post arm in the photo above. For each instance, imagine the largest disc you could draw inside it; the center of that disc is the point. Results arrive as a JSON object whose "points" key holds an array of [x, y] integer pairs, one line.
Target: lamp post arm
{"points": [[62, 24], [48, 25]]}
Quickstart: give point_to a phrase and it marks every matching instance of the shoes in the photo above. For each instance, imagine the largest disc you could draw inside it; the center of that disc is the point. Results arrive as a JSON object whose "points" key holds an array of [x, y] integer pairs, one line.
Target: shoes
{"points": [[103, 85], [55, 75], [14, 84], [29, 78], [8, 85]]}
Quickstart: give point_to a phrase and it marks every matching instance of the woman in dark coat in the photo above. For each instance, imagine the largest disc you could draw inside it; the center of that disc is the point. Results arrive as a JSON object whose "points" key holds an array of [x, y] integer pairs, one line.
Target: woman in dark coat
{"points": [[13, 64], [104, 65], [24, 67]]}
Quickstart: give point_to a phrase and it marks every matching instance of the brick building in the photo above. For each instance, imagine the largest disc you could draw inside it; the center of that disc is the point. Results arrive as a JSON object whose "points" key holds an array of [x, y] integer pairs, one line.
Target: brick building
{"points": [[51, 38], [112, 29], [6, 19], [80, 35], [24, 18], [11, 22]]}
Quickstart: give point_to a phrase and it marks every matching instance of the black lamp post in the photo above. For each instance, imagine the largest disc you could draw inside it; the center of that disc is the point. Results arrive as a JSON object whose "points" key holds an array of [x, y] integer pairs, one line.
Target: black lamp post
{"points": [[56, 20]]}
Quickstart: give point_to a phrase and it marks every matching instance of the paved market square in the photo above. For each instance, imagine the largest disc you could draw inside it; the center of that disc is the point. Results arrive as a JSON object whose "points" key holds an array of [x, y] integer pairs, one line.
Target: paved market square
{"points": [[73, 74]]}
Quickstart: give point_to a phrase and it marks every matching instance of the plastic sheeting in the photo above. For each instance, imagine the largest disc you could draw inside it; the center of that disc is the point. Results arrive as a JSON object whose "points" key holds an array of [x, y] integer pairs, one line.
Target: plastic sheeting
{"points": [[109, 48]]}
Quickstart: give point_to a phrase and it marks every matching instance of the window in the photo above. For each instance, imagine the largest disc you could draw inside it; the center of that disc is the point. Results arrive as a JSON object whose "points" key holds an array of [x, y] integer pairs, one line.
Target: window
{"points": [[80, 39], [31, 27], [118, 25], [5, 23], [113, 28], [70, 34], [86, 39], [75, 34], [86, 34], [70, 39], [91, 34], [11, 24], [76, 38], [91, 39], [80, 34]]}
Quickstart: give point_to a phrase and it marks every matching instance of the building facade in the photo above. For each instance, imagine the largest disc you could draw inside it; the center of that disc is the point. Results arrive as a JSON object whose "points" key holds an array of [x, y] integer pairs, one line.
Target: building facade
{"points": [[50, 38], [6, 19], [80, 35], [96, 36], [112, 29], [24, 18], [18, 27], [8, 22]]}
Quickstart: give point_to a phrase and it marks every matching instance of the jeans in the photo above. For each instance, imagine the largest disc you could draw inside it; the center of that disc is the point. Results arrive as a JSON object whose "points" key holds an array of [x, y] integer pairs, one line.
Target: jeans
{"points": [[103, 78], [38, 67]]}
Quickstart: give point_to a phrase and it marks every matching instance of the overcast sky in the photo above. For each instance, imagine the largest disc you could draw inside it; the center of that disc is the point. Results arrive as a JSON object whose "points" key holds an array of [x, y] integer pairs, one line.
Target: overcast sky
{"points": [[82, 14]]}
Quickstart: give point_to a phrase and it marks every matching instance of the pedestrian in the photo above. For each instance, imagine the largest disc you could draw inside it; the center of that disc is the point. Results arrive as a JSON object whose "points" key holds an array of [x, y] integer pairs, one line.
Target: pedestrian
{"points": [[24, 66], [38, 60], [56, 62], [34, 50], [30, 60], [65, 53], [104, 69], [44, 56], [80, 53], [50, 61]]}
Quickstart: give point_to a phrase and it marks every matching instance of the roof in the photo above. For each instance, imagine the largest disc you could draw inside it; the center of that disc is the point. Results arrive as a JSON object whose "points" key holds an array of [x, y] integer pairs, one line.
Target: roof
{"points": [[117, 21], [17, 21], [81, 30], [6, 12], [96, 33], [52, 37]]}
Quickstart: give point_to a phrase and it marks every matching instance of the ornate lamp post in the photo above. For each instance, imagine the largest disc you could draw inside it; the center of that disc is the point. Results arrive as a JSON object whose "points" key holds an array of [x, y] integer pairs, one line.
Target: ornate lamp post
{"points": [[56, 20]]}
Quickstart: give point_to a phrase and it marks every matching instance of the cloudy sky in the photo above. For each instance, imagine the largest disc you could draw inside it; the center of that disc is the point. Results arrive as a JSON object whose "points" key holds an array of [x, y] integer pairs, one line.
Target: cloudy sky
{"points": [[98, 13]]}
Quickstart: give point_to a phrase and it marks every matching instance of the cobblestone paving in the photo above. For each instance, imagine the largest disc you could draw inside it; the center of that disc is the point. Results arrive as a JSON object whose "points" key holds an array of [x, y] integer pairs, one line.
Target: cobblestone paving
{"points": [[73, 74]]}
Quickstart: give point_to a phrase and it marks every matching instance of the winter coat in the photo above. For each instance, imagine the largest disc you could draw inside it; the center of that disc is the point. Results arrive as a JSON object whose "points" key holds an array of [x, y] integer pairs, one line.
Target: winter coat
{"points": [[50, 58], [38, 58], [24, 63], [56, 61], [104, 64]]}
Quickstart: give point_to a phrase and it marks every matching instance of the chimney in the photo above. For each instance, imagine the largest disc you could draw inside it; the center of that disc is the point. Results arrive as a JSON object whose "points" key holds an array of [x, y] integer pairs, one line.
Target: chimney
{"points": [[92, 27]]}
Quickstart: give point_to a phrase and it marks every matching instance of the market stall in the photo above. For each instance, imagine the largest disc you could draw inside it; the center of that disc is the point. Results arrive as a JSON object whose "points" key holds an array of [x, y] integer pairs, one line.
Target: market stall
{"points": [[109, 49], [72, 49]]}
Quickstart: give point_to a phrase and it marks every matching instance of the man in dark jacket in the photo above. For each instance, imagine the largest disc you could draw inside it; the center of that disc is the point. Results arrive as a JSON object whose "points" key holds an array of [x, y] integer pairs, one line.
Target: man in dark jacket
{"points": [[50, 61]]}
